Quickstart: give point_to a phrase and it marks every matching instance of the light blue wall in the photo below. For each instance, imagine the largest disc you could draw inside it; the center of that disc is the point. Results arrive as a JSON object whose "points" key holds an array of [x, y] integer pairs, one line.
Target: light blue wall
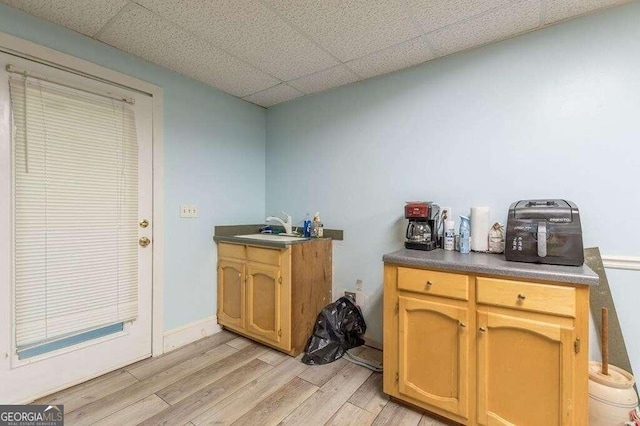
{"points": [[214, 147], [553, 113]]}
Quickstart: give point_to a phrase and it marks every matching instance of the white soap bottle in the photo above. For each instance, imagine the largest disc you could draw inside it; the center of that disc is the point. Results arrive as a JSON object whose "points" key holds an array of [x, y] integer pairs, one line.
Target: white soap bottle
{"points": [[449, 240]]}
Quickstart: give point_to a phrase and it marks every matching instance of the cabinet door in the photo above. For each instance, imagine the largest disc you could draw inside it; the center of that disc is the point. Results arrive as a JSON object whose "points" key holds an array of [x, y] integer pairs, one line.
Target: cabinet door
{"points": [[231, 293], [434, 353], [264, 301], [525, 372]]}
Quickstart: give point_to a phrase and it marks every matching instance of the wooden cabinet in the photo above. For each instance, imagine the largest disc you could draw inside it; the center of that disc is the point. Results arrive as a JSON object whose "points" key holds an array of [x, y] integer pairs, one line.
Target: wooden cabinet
{"points": [[433, 361], [273, 295], [231, 292], [486, 350], [264, 302], [525, 371]]}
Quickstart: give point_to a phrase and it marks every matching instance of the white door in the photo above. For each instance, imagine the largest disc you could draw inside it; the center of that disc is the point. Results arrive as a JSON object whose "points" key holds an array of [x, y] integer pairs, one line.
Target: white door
{"points": [[32, 375]]}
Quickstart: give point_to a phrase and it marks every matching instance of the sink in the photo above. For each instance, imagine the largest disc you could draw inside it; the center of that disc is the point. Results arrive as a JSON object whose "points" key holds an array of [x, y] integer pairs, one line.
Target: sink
{"points": [[272, 237]]}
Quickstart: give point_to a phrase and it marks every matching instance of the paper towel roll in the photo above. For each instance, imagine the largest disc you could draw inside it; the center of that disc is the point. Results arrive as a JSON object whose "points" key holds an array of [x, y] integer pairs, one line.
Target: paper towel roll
{"points": [[480, 228]]}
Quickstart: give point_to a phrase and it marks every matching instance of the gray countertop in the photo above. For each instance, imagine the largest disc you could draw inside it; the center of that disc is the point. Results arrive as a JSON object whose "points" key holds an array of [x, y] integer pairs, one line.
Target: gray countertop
{"points": [[493, 264]]}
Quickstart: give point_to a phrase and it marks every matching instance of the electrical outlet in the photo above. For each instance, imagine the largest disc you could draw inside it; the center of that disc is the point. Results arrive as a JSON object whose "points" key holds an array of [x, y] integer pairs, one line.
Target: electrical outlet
{"points": [[188, 211], [445, 213], [351, 294]]}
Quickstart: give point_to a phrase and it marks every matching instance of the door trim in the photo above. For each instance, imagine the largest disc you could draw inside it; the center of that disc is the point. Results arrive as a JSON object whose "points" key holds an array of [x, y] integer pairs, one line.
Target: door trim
{"points": [[25, 49]]}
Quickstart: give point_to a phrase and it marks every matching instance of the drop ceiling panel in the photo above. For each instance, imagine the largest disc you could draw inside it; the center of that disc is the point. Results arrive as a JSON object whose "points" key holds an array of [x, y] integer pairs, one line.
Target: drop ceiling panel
{"points": [[143, 34], [274, 95], [434, 14], [350, 28], [325, 79], [558, 10], [393, 58], [271, 51], [493, 26], [249, 30], [86, 16]]}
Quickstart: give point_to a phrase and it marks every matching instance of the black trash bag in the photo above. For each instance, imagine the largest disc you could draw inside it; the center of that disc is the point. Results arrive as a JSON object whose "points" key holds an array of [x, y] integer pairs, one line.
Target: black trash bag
{"points": [[339, 327]]}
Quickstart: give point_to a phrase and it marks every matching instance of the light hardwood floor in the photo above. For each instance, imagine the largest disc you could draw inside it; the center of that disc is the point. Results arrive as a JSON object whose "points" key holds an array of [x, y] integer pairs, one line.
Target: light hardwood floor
{"points": [[227, 379]]}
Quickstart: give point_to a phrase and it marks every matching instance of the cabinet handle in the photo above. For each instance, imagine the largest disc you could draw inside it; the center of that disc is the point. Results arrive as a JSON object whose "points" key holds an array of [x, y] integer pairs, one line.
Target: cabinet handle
{"points": [[521, 297], [463, 325], [429, 284], [482, 329]]}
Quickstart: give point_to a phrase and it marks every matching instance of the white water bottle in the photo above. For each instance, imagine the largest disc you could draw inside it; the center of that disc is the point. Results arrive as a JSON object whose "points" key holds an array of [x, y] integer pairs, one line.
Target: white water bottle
{"points": [[449, 240]]}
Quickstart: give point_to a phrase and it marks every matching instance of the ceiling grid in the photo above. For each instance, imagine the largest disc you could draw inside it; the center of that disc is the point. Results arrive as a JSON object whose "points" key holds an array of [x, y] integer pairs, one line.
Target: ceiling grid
{"points": [[271, 51]]}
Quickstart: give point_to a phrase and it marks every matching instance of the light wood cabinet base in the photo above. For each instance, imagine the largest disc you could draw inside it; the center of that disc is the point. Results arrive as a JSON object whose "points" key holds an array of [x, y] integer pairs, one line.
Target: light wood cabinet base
{"points": [[274, 295], [482, 350]]}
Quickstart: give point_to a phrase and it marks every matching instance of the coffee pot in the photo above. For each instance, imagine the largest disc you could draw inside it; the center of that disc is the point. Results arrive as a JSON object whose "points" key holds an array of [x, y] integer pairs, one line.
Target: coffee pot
{"points": [[418, 232], [421, 229]]}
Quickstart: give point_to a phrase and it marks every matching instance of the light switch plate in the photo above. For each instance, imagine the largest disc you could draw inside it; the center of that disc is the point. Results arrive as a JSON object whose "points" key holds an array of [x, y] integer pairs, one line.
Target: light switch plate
{"points": [[188, 210]]}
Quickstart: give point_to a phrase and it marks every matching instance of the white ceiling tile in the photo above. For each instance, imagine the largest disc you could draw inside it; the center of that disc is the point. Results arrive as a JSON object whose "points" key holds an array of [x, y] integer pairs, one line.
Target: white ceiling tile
{"points": [[143, 34], [350, 28], [325, 79], [274, 95], [249, 30], [84, 16], [558, 10], [400, 56], [434, 14], [489, 27]]}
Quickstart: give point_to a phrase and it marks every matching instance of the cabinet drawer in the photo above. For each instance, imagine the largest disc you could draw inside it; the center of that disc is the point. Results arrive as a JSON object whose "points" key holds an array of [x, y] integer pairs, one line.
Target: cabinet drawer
{"points": [[527, 296], [231, 250], [434, 283], [264, 255]]}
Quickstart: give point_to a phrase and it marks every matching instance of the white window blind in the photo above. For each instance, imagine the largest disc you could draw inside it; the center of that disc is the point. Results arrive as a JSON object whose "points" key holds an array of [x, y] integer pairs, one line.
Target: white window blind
{"points": [[76, 210]]}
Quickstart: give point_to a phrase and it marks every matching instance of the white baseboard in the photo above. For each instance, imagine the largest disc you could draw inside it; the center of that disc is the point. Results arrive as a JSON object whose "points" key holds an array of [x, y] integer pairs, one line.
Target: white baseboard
{"points": [[629, 263], [188, 333]]}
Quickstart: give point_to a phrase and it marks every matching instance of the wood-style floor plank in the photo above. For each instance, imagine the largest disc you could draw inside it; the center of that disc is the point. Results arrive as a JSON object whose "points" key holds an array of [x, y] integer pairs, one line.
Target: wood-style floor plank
{"points": [[351, 415], [394, 414], [320, 374], [322, 405], [101, 408], [207, 397], [273, 357], [88, 392], [152, 366], [192, 383], [240, 343], [428, 421], [369, 396], [369, 354], [227, 379], [278, 405], [135, 413], [238, 404]]}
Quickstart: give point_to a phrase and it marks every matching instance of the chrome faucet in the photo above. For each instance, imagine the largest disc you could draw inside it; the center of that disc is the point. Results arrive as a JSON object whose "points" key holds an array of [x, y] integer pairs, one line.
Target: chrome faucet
{"points": [[288, 225]]}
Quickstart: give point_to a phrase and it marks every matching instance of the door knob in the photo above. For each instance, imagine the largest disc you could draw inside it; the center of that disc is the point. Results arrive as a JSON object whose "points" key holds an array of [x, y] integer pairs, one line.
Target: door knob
{"points": [[144, 241], [144, 223]]}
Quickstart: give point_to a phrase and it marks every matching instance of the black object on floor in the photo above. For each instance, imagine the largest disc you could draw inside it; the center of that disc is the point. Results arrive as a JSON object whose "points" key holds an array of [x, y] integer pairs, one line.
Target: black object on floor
{"points": [[339, 327]]}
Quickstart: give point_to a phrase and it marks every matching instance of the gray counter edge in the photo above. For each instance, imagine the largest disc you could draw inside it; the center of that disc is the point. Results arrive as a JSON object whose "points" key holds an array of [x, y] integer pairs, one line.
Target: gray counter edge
{"points": [[498, 267]]}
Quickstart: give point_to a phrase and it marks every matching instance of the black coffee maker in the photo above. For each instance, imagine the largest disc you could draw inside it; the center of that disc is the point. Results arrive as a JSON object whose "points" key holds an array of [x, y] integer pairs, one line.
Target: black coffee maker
{"points": [[421, 231]]}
